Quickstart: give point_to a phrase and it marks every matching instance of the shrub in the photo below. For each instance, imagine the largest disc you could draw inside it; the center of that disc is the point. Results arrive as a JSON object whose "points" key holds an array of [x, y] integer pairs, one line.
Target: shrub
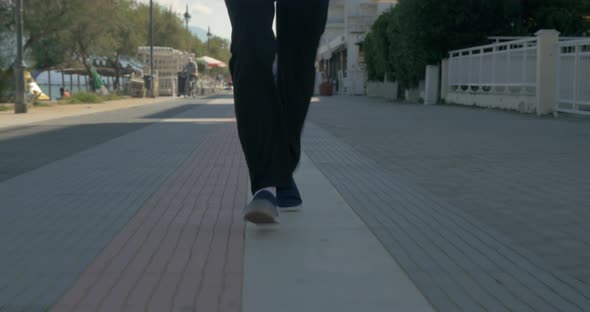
{"points": [[90, 98], [416, 33], [84, 98], [112, 97]]}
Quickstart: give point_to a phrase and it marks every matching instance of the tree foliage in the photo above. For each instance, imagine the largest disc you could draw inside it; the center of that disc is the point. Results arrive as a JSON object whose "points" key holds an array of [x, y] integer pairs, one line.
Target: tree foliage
{"points": [[570, 17], [416, 33], [376, 46], [66, 31]]}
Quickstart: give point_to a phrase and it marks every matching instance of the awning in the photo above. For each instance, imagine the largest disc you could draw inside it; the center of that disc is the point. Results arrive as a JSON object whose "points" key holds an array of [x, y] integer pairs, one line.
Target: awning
{"points": [[211, 62], [334, 46]]}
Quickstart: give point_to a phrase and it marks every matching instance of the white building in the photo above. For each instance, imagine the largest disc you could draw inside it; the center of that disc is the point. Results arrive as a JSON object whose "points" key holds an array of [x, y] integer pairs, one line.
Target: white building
{"points": [[340, 57], [168, 62]]}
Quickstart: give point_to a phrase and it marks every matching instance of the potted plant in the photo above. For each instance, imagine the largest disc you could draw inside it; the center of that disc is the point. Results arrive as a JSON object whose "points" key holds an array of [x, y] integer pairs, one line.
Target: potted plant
{"points": [[326, 88]]}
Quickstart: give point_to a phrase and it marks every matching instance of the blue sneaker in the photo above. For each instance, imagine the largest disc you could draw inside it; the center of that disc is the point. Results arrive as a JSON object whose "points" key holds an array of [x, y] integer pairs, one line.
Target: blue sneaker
{"points": [[289, 198], [262, 209]]}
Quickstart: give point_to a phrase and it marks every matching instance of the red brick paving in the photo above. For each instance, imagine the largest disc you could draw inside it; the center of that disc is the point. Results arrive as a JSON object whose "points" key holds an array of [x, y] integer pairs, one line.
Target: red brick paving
{"points": [[184, 249]]}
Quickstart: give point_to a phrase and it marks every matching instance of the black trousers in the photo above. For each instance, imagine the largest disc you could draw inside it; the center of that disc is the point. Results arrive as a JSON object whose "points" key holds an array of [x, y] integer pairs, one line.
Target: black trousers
{"points": [[270, 114]]}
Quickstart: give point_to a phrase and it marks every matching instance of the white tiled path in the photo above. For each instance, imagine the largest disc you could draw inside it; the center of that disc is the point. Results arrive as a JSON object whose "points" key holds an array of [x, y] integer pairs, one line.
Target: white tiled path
{"points": [[323, 259]]}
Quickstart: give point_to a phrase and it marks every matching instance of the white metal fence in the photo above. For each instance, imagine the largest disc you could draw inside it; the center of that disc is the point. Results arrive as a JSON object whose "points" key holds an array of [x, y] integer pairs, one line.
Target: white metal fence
{"points": [[168, 86], [573, 81], [509, 67]]}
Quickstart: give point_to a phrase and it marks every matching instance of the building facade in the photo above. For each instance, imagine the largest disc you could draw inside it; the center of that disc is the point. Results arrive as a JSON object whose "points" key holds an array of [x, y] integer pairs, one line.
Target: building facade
{"points": [[340, 56], [168, 62]]}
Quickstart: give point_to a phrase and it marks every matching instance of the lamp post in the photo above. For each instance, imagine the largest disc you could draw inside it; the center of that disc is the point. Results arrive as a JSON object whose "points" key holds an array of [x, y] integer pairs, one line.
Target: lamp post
{"points": [[209, 35], [187, 17], [152, 78], [20, 106]]}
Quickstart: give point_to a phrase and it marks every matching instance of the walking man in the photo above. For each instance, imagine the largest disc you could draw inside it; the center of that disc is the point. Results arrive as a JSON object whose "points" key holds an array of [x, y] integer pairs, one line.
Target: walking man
{"points": [[270, 114], [192, 71]]}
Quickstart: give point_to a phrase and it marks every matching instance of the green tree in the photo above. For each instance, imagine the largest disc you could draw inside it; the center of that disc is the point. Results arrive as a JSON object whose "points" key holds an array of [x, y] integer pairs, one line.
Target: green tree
{"points": [[428, 29], [44, 21], [54, 29], [570, 17], [169, 30], [83, 38], [6, 16], [45, 18], [72, 31], [217, 48], [47, 52], [421, 32], [376, 47], [122, 35]]}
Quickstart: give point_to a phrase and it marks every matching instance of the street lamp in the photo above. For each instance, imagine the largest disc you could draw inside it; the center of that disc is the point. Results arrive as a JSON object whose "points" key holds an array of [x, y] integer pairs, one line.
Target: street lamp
{"points": [[152, 93], [187, 17], [20, 106], [209, 35]]}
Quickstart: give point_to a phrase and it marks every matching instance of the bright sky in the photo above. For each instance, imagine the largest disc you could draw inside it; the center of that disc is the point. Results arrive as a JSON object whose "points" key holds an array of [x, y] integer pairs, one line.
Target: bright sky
{"points": [[205, 13]]}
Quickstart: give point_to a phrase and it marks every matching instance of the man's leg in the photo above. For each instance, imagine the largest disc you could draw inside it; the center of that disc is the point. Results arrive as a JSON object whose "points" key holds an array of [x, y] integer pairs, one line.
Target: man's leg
{"points": [[300, 24], [257, 106], [187, 91]]}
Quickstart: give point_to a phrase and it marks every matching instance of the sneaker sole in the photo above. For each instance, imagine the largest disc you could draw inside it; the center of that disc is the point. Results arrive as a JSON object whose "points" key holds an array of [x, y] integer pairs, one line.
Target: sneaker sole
{"points": [[291, 209], [260, 218]]}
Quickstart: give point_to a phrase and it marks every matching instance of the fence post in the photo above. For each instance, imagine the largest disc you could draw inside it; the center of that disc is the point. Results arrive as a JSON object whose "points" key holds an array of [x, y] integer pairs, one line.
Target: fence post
{"points": [[547, 58], [432, 83], [444, 79], [49, 82]]}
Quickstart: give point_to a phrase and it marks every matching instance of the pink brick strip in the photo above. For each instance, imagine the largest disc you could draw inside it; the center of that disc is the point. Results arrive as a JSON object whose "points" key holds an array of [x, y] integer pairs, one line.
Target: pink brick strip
{"points": [[184, 249]]}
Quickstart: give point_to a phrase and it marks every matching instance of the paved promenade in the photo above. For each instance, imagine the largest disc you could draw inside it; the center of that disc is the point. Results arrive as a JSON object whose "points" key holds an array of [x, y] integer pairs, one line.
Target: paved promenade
{"points": [[485, 210], [407, 208], [37, 114]]}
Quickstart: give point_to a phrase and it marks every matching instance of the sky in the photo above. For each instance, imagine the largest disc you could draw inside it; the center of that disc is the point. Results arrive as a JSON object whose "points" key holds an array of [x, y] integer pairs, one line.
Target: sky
{"points": [[205, 13]]}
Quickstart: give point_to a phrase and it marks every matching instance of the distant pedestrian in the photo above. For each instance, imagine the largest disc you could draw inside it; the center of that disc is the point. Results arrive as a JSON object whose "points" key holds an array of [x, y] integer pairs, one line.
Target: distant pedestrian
{"points": [[63, 93], [271, 115]]}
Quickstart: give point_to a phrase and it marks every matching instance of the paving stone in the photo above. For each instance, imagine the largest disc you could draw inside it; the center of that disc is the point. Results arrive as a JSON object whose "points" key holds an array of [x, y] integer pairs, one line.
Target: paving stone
{"points": [[174, 252], [440, 238], [522, 175], [58, 215]]}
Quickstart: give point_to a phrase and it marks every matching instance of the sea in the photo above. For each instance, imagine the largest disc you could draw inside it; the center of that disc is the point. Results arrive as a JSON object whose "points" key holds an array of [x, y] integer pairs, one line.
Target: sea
{"points": [[70, 83]]}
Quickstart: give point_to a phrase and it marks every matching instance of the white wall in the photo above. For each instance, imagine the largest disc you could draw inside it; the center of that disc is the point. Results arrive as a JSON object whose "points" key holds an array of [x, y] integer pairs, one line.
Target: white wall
{"points": [[342, 17], [387, 90], [520, 103], [336, 21]]}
